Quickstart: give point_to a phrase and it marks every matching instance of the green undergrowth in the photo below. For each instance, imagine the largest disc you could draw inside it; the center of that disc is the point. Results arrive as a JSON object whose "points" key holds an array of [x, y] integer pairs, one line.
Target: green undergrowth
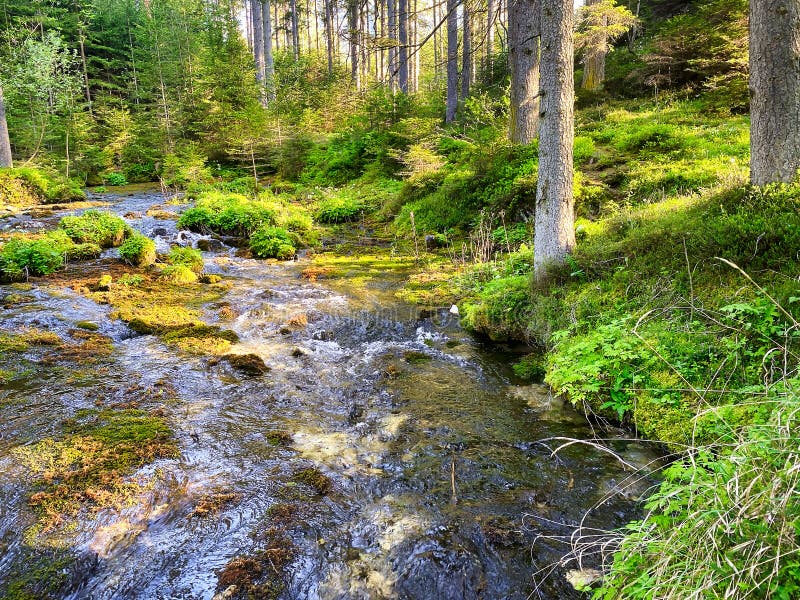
{"points": [[644, 324], [274, 224], [33, 255], [26, 186]]}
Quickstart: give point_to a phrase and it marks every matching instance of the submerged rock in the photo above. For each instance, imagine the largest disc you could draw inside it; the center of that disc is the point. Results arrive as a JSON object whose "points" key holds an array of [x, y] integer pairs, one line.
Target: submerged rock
{"points": [[209, 245], [249, 364]]}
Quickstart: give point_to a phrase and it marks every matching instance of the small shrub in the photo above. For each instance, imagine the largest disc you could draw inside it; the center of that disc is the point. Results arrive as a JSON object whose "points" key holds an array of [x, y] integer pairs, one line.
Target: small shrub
{"points": [[188, 257], [138, 250], [339, 209], [95, 227], [115, 179], [227, 214], [272, 242], [21, 258]]}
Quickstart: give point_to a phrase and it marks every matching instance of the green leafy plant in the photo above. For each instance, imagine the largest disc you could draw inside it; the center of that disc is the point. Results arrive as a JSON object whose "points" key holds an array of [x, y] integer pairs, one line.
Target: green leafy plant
{"points": [[188, 257], [138, 250], [115, 179], [272, 242], [95, 227]]}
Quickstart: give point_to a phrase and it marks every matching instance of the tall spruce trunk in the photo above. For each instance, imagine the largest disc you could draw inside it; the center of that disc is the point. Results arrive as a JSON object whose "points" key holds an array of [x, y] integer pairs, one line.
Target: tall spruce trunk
{"points": [[774, 90], [329, 37], [523, 59], [5, 141], [452, 61], [466, 52], [402, 19], [554, 232], [491, 9], [391, 9], [594, 62], [352, 22], [257, 15], [295, 30], [269, 61]]}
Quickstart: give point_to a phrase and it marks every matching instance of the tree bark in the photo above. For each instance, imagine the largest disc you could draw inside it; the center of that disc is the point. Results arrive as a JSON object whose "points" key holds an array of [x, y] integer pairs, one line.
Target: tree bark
{"points": [[258, 40], [391, 9], [523, 59], [466, 52], [594, 62], [490, 18], [5, 141], [774, 90], [452, 61], [352, 17], [269, 61], [295, 30], [554, 232], [402, 18], [329, 38]]}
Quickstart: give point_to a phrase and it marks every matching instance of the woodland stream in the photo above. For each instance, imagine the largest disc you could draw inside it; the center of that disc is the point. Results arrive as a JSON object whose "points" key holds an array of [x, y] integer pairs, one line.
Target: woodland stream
{"points": [[441, 485]]}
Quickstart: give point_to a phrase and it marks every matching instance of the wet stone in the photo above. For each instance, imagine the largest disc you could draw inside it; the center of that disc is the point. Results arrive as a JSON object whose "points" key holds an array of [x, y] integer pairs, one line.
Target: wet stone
{"points": [[247, 364]]}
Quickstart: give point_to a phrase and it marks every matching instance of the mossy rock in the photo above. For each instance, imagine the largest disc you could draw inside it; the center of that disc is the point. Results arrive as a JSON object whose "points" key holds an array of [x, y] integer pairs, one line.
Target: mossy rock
{"points": [[180, 274], [278, 437], [201, 331], [138, 251], [206, 278], [415, 357], [315, 479], [248, 364], [87, 325]]}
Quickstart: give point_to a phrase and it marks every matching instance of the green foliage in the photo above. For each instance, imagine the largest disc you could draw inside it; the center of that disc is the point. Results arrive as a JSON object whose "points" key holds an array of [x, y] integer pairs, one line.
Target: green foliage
{"points": [[227, 214], [339, 209], [185, 168], [138, 250], [24, 186], [272, 242], [96, 227], [530, 368], [188, 257], [20, 258], [115, 179], [712, 509], [179, 274]]}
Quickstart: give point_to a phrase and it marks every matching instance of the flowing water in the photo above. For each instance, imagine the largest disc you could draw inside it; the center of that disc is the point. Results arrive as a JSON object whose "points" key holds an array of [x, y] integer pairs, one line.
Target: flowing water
{"points": [[442, 485]]}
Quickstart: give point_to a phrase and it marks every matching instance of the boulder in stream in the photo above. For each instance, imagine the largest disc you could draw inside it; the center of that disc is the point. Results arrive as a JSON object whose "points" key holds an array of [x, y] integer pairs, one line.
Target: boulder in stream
{"points": [[247, 364]]}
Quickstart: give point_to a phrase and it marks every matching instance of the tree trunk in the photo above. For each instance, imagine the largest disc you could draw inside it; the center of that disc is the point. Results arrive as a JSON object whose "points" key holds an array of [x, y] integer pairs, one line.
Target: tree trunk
{"points": [[352, 16], [594, 62], [82, 46], [402, 18], [452, 61], [269, 61], [466, 56], [5, 141], [258, 40], [329, 38], [774, 90], [295, 30], [523, 59], [490, 18], [554, 232], [391, 8]]}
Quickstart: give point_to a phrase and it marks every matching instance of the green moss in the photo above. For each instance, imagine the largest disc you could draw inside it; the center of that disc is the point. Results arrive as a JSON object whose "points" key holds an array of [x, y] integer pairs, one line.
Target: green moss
{"points": [[87, 325], [179, 274], [227, 214], [37, 574], [26, 186], [315, 479], [95, 227], [188, 257], [87, 467], [138, 250]]}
